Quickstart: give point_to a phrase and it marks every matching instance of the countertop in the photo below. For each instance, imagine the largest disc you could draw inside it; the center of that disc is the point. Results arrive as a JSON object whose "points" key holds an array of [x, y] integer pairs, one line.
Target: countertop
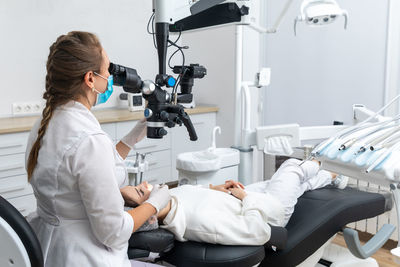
{"points": [[22, 124]]}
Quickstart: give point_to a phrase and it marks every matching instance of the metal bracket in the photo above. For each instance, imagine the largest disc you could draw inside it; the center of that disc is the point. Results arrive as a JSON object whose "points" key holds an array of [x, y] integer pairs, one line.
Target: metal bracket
{"points": [[375, 243], [361, 112], [395, 188]]}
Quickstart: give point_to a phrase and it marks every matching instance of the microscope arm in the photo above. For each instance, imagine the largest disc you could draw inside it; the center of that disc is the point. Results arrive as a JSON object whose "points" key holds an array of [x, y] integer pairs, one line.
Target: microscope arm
{"points": [[182, 15]]}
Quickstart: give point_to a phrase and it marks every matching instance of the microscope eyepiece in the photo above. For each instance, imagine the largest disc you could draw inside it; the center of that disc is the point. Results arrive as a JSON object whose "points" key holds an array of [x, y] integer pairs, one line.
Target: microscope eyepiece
{"points": [[126, 77]]}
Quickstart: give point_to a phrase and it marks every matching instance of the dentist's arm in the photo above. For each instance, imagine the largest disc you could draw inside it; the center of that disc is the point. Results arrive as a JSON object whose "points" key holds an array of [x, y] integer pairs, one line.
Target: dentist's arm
{"points": [[123, 150], [141, 214], [134, 136], [92, 162]]}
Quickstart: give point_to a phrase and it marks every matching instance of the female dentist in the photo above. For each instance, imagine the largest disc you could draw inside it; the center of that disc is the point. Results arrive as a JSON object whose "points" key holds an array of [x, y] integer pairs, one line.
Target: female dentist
{"points": [[75, 170]]}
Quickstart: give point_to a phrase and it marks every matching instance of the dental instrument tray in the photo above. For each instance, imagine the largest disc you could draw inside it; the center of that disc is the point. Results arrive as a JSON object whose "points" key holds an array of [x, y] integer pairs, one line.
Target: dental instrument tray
{"points": [[367, 151]]}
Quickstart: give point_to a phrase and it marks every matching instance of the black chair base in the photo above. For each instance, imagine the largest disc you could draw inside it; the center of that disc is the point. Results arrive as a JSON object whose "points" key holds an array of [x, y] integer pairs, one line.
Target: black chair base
{"points": [[194, 254]]}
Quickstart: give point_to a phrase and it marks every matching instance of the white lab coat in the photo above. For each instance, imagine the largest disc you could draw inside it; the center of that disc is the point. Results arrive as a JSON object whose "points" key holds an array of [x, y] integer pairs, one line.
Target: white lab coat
{"points": [[80, 219], [211, 216]]}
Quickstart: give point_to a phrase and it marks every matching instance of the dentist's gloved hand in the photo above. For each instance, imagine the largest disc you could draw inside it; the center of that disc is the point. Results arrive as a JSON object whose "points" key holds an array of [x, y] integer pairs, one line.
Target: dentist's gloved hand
{"points": [[136, 134], [159, 197]]}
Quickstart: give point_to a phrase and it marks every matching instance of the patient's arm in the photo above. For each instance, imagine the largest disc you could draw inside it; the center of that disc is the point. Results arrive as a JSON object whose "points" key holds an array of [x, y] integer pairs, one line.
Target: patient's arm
{"points": [[238, 193]]}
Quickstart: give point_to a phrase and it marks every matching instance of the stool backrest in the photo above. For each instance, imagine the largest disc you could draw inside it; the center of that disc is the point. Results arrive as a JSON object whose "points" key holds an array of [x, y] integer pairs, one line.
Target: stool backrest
{"points": [[19, 245]]}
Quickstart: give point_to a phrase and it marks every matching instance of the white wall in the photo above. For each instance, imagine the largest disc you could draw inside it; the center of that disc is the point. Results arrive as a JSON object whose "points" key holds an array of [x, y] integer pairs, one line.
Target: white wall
{"points": [[215, 49], [29, 27], [319, 74]]}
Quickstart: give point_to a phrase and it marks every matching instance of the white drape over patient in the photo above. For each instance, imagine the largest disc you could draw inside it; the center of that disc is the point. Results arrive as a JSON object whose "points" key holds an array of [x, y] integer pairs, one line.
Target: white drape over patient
{"points": [[204, 215]]}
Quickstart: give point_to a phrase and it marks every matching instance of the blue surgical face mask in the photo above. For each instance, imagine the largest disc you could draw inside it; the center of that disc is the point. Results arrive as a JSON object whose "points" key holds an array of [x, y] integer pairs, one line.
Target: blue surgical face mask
{"points": [[103, 97]]}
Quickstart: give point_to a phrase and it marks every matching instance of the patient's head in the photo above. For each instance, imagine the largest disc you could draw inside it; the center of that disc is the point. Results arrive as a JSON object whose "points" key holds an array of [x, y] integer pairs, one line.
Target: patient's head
{"points": [[139, 194]]}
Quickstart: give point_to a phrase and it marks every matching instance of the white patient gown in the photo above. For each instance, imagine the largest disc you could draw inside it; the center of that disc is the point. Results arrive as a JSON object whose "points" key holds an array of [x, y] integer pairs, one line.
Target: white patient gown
{"points": [[80, 219], [205, 215]]}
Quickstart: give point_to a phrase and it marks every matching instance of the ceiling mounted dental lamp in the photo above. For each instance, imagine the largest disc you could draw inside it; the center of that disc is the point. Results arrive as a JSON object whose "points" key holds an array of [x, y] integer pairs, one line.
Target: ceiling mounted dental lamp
{"points": [[320, 13]]}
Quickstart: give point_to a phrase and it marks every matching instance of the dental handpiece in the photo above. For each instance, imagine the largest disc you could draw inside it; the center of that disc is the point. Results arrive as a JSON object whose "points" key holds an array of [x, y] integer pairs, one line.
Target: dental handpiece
{"points": [[352, 141], [368, 141], [347, 131], [348, 144], [361, 125], [386, 144], [375, 129], [383, 137], [382, 157]]}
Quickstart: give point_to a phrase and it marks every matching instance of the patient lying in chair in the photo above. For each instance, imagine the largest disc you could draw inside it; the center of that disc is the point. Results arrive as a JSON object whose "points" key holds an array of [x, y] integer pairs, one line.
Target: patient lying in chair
{"points": [[230, 214]]}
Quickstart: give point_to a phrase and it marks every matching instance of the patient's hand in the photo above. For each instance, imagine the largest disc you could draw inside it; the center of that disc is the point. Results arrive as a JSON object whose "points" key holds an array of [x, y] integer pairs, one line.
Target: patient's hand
{"points": [[238, 193], [225, 187]]}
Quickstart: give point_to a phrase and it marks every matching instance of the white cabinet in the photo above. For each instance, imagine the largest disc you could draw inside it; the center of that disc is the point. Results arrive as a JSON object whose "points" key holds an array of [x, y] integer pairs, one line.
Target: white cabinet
{"points": [[161, 155], [13, 143], [14, 184]]}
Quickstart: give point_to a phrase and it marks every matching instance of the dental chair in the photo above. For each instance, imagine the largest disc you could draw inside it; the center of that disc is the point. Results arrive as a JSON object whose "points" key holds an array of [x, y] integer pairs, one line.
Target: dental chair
{"points": [[19, 246], [318, 216]]}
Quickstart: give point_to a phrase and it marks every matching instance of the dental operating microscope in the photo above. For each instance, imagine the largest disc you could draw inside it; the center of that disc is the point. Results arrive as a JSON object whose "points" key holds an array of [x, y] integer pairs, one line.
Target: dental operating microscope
{"points": [[166, 109]]}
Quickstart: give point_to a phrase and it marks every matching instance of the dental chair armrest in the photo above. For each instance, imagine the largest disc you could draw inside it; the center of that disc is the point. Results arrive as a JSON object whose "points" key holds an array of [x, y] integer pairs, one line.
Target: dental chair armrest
{"points": [[278, 237], [157, 241], [375, 243]]}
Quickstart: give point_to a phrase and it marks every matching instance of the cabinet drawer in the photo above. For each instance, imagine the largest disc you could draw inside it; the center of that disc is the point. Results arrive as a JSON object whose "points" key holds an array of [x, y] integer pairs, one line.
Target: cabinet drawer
{"points": [[12, 165], [156, 159], [25, 204], [147, 144], [15, 186], [13, 143], [158, 176]]}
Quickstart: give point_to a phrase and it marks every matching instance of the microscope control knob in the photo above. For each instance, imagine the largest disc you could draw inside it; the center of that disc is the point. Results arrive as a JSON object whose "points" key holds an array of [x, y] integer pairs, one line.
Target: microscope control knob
{"points": [[164, 115], [170, 124], [178, 121], [148, 87], [161, 132], [148, 113], [170, 81]]}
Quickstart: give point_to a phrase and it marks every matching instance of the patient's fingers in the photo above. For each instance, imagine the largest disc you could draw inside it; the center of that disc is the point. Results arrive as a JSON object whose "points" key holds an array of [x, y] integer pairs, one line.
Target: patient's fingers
{"points": [[233, 184], [240, 185], [219, 188]]}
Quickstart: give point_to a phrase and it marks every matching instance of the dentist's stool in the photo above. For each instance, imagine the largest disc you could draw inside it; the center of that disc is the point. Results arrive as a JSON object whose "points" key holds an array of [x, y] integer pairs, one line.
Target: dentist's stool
{"points": [[19, 246]]}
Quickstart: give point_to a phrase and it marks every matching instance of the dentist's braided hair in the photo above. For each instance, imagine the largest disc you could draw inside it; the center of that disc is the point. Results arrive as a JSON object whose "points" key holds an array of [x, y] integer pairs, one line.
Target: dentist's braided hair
{"points": [[71, 57]]}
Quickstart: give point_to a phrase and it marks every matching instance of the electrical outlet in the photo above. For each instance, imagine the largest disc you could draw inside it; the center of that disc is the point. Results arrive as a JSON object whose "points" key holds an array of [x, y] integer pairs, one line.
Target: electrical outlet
{"points": [[27, 108]]}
